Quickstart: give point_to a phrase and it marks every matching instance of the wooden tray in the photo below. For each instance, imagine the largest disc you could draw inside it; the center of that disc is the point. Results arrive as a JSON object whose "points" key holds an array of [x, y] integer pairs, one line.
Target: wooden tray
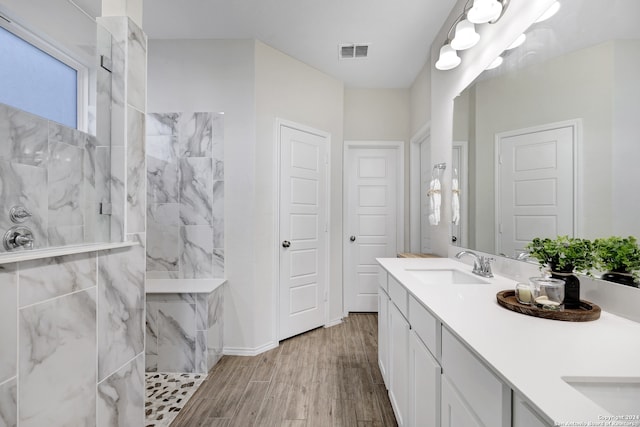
{"points": [[587, 311]]}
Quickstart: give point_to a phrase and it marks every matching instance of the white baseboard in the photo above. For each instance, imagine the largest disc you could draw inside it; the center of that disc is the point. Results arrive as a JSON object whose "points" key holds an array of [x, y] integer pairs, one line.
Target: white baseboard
{"points": [[243, 351], [333, 322]]}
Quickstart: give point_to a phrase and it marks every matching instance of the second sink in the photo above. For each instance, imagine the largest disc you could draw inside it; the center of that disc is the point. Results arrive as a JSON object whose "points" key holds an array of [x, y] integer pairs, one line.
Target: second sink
{"points": [[449, 276]]}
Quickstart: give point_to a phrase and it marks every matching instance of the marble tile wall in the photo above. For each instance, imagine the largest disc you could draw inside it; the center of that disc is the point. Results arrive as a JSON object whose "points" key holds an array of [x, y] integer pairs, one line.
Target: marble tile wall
{"points": [[52, 171], [185, 195], [184, 332], [72, 327]]}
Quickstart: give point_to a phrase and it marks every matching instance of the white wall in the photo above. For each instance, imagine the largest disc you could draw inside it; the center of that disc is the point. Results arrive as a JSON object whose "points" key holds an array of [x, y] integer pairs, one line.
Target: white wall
{"points": [[218, 75], [288, 89], [381, 115], [420, 99], [445, 85]]}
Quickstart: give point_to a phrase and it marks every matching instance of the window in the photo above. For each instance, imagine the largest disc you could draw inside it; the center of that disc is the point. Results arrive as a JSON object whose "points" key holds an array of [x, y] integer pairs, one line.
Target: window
{"points": [[37, 81]]}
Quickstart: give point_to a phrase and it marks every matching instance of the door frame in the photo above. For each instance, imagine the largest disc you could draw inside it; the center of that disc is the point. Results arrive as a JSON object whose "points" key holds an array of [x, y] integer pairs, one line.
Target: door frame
{"points": [[576, 126], [278, 125], [463, 183], [415, 186], [371, 144]]}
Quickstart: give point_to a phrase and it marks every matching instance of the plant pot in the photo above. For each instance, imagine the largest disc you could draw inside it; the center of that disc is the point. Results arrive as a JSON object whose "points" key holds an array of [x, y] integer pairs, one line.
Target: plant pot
{"points": [[571, 286], [620, 277]]}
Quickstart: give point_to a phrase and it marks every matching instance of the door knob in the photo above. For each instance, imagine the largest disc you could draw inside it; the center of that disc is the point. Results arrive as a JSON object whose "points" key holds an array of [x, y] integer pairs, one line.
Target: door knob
{"points": [[352, 238], [286, 243], [454, 239]]}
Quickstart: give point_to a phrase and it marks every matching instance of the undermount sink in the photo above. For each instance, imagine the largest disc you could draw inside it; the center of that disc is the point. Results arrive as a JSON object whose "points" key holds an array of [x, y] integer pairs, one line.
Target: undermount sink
{"points": [[616, 395], [446, 277]]}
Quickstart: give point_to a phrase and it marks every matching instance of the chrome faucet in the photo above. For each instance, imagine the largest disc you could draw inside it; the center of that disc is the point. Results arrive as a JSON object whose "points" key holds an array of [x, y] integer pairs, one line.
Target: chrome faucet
{"points": [[481, 264]]}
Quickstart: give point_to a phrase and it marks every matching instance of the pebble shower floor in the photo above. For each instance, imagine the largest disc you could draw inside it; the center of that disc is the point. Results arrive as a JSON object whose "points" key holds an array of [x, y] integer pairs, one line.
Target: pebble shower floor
{"points": [[166, 394]]}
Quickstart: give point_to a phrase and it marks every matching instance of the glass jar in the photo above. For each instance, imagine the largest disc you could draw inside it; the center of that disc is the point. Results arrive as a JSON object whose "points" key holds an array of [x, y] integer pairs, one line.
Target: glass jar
{"points": [[547, 293]]}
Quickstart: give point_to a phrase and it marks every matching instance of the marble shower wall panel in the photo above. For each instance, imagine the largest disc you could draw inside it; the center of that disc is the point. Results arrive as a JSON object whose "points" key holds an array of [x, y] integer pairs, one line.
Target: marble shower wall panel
{"points": [[9, 403], [8, 322], [185, 168], [136, 67], [184, 331], [121, 396], [163, 237], [49, 278], [51, 170], [121, 303], [215, 326], [57, 366], [136, 171]]}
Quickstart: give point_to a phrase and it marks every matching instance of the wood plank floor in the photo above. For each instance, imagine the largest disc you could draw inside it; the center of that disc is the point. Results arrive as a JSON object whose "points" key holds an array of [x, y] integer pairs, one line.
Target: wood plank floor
{"points": [[325, 377]]}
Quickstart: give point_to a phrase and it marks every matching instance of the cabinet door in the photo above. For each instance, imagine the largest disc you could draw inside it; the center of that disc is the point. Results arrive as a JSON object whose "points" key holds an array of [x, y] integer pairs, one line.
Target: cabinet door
{"points": [[383, 335], [398, 363], [524, 415], [424, 384], [455, 412]]}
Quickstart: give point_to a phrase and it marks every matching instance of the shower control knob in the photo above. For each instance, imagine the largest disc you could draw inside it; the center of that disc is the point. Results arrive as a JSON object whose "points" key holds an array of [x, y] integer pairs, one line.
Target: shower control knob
{"points": [[19, 214], [18, 237]]}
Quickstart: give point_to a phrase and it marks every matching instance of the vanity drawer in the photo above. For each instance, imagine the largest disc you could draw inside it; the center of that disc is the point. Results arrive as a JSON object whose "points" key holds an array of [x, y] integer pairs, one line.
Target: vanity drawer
{"points": [[487, 396], [382, 278], [425, 325], [398, 295]]}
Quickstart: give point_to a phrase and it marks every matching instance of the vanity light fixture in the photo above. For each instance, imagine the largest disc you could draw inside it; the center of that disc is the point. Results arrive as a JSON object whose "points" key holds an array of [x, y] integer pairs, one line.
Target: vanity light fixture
{"points": [[466, 36], [449, 58], [480, 12], [553, 9], [484, 11]]}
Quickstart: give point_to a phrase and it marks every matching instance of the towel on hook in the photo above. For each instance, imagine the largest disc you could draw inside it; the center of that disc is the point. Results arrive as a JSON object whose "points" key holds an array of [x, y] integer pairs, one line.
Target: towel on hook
{"points": [[455, 200], [434, 201]]}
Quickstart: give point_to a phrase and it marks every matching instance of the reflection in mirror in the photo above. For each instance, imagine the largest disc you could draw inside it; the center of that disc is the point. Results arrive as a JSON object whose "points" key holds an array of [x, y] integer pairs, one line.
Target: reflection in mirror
{"points": [[55, 170], [554, 133]]}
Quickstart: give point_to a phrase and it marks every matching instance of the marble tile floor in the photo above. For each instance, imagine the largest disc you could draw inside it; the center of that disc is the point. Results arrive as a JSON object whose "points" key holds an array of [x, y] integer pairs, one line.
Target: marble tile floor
{"points": [[325, 377], [166, 394]]}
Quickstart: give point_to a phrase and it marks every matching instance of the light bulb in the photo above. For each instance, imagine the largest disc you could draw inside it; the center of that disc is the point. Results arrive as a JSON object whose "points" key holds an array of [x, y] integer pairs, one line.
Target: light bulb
{"points": [[484, 11], [466, 36], [495, 63], [553, 9], [517, 42], [448, 59]]}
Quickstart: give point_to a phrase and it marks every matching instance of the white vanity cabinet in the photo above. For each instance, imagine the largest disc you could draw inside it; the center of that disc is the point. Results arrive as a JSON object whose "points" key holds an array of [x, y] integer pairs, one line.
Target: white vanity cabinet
{"points": [[455, 412], [424, 384], [486, 397], [524, 415], [398, 341], [383, 334]]}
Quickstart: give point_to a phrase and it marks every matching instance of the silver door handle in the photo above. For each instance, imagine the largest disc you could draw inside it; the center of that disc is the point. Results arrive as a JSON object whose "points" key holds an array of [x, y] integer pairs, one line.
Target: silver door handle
{"points": [[286, 244], [352, 238]]}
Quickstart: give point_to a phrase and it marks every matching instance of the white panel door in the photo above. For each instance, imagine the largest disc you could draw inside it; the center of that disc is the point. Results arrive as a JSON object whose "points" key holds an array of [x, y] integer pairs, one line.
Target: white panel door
{"points": [[372, 205], [303, 231], [536, 187]]}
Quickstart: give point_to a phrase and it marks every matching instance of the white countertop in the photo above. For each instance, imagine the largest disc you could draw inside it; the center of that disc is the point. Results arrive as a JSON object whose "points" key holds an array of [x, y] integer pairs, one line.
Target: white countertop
{"points": [[530, 354], [182, 286]]}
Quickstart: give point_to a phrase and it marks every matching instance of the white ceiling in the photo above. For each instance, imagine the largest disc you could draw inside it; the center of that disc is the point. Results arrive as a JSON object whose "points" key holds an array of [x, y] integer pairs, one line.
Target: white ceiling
{"points": [[400, 33]]}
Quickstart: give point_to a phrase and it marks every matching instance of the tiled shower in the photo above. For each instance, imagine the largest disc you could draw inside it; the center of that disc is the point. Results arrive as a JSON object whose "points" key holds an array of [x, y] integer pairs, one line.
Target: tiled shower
{"points": [[185, 239], [72, 327]]}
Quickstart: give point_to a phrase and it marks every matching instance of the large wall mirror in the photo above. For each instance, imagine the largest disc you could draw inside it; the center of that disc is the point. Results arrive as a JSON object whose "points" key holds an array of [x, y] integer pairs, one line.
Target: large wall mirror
{"points": [[553, 134], [54, 168]]}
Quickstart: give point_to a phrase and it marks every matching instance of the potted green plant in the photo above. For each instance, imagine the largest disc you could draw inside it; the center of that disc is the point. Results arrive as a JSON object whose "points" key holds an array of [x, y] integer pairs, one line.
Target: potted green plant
{"points": [[564, 256], [619, 258]]}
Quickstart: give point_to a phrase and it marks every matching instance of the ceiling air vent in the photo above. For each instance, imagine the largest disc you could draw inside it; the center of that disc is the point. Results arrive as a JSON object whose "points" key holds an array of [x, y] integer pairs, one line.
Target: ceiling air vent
{"points": [[353, 50]]}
